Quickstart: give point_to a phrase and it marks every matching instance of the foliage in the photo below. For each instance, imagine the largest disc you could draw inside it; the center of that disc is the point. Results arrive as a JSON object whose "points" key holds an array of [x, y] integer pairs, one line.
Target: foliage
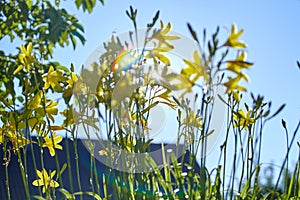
{"points": [[122, 98]]}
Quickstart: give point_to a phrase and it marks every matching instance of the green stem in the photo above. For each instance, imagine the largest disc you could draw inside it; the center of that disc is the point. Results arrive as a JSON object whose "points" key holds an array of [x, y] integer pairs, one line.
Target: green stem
{"points": [[77, 165], [234, 165], [69, 164], [285, 160], [24, 175], [6, 169], [243, 162], [224, 146]]}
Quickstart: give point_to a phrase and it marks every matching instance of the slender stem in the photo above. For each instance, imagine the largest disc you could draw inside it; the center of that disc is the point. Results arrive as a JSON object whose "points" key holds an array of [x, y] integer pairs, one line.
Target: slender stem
{"points": [[96, 176], [234, 165], [285, 160], [224, 146], [22, 169], [243, 161], [6, 169], [77, 165], [91, 171], [24, 175], [69, 164]]}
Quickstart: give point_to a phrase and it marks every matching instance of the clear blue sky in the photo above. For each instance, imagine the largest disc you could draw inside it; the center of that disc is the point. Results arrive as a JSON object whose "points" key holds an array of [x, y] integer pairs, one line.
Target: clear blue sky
{"points": [[271, 30]]}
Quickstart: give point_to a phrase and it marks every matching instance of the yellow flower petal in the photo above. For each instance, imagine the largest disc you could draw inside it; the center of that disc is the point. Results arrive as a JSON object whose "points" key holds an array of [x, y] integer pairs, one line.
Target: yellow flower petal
{"points": [[52, 173], [44, 189], [232, 40], [39, 182], [18, 69], [45, 174], [51, 142], [53, 184], [53, 78]]}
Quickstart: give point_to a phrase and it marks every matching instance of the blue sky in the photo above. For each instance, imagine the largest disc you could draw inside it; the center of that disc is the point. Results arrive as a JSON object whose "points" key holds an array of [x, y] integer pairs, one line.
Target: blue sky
{"points": [[271, 30]]}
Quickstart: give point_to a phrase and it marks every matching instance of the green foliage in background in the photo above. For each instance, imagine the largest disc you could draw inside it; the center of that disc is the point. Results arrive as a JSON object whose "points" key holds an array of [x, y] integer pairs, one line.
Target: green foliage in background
{"points": [[124, 99]]}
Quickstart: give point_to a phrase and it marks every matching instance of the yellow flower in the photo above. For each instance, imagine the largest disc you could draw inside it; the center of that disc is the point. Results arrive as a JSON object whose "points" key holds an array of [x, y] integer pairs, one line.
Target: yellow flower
{"points": [[192, 120], [232, 85], [242, 119], [233, 41], [45, 180], [17, 140], [175, 81], [72, 80], [195, 69], [51, 109], [35, 101], [236, 66], [163, 96], [12, 131], [157, 54], [52, 143], [26, 58], [103, 152], [162, 35], [53, 79]]}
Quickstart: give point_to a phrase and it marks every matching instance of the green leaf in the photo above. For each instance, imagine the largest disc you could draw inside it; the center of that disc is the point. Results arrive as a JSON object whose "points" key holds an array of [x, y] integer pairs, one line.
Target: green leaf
{"points": [[62, 169], [96, 196], [78, 35], [79, 26], [246, 189], [73, 41], [78, 3], [292, 183], [89, 5], [39, 197], [266, 196], [29, 4], [147, 144], [20, 98], [67, 194], [57, 66], [165, 164]]}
